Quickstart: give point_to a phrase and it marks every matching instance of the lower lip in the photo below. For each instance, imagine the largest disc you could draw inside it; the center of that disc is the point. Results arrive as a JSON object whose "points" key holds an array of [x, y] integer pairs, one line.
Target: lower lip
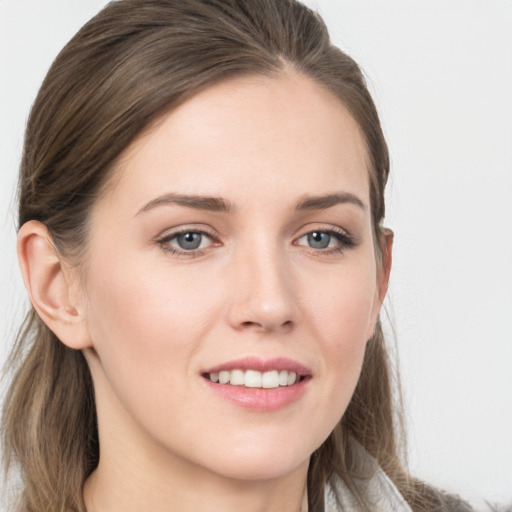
{"points": [[260, 399]]}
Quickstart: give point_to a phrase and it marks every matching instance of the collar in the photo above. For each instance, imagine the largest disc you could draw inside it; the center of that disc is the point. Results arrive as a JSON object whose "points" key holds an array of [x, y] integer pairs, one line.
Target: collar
{"points": [[381, 493]]}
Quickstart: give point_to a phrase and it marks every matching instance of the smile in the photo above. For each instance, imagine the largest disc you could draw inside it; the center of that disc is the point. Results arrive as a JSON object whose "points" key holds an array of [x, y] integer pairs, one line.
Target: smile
{"points": [[259, 384], [254, 378]]}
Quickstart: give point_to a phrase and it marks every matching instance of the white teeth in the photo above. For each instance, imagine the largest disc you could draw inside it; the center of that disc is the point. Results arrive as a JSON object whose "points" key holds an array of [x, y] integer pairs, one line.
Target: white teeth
{"points": [[255, 379], [270, 379], [252, 379], [237, 378], [292, 377]]}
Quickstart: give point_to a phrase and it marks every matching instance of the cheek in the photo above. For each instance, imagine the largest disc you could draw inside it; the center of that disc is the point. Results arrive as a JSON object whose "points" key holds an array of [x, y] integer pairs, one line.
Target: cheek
{"points": [[142, 323], [344, 308], [147, 332], [142, 299], [341, 317], [345, 332]]}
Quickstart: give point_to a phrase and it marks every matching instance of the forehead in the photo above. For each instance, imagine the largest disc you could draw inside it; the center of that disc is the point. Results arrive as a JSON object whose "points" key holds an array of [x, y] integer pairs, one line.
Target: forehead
{"points": [[251, 133]]}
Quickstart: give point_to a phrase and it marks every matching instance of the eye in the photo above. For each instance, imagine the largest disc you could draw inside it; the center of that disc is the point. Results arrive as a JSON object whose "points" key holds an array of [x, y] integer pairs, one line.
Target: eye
{"points": [[190, 241], [318, 239], [185, 242], [327, 241]]}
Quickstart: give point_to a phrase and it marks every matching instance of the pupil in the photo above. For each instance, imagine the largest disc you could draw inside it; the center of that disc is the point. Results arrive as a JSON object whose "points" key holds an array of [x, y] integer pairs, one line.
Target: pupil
{"points": [[189, 241], [319, 240]]}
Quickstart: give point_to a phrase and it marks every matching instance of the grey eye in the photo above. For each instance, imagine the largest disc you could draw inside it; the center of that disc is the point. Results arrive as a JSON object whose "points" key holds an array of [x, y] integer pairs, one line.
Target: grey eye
{"points": [[189, 241], [318, 239], [186, 242]]}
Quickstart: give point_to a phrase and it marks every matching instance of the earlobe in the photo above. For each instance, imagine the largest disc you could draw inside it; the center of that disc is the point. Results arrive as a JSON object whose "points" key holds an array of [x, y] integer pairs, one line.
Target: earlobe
{"points": [[48, 286]]}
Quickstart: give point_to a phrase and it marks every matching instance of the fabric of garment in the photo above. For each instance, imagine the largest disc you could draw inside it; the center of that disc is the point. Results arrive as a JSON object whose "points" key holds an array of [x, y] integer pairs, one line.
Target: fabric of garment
{"points": [[379, 491], [382, 496]]}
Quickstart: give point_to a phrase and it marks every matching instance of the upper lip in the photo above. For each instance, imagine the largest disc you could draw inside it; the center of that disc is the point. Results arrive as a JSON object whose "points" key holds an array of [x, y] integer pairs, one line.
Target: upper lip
{"points": [[261, 365]]}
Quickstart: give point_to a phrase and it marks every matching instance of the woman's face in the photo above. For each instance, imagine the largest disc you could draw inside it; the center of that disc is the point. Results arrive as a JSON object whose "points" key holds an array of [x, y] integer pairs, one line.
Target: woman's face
{"points": [[234, 243]]}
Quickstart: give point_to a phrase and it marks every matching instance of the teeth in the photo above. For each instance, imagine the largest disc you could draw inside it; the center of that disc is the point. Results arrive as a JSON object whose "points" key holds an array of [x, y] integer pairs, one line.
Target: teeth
{"points": [[254, 379], [270, 379], [237, 378]]}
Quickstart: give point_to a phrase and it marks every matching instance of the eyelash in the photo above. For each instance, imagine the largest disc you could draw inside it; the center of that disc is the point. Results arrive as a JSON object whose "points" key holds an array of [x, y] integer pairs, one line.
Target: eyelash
{"points": [[344, 239]]}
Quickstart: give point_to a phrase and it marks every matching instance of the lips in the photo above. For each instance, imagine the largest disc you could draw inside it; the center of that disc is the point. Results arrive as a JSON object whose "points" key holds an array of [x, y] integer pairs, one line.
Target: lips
{"points": [[258, 384]]}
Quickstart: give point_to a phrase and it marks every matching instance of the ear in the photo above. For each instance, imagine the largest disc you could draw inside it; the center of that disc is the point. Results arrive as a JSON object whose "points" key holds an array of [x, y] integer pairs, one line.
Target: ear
{"points": [[384, 266], [383, 272], [49, 284]]}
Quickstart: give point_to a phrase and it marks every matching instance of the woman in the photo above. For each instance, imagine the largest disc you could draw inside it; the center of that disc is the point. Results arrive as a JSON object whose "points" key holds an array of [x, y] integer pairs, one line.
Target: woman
{"points": [[201, 206]]}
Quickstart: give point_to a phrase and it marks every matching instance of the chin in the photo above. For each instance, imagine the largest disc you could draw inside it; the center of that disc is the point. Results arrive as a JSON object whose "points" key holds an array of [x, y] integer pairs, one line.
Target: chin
{"points": [[258, 469], [262, 459]]}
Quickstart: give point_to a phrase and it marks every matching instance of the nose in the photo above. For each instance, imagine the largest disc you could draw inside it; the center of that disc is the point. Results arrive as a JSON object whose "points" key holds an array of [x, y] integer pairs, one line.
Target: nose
{"points": [[263, 295]]}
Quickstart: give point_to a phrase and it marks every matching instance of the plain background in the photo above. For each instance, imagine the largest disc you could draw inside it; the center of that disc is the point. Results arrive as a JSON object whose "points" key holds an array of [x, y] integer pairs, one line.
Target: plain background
{"points": [[441, 75]]}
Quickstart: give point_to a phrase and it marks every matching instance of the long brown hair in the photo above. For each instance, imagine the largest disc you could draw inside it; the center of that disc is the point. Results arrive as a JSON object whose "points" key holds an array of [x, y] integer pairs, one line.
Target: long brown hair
{"points": [[133, 62]]}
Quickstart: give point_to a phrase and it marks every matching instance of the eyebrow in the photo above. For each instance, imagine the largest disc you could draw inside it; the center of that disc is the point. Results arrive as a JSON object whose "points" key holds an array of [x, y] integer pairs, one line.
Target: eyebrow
{"points": [[218, 204], [329, 200], [211, 204]]}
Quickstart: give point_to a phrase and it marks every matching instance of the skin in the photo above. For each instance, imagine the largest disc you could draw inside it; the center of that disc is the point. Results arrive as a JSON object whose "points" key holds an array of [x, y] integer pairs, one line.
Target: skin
{"points": [[150, 321]]}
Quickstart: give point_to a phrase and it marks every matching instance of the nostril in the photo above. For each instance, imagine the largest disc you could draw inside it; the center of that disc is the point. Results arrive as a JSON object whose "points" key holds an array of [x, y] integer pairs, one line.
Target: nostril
{"points": [[250, 324], [267, 326]]}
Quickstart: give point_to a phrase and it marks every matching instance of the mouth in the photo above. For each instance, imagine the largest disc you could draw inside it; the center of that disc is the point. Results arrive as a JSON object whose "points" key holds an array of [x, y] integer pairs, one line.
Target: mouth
{"points": [[251, 378], [259, 384]]}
